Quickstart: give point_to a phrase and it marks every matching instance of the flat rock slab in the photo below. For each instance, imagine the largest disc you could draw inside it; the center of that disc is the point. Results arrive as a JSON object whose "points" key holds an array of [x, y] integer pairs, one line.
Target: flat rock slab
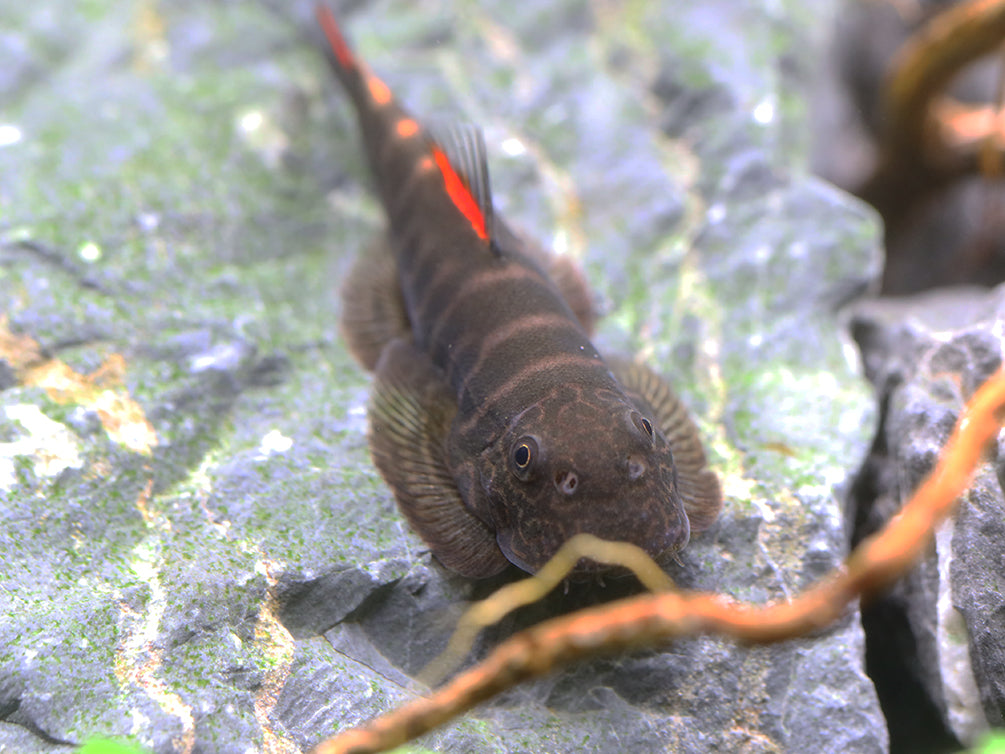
{"points": [[198, 554]]}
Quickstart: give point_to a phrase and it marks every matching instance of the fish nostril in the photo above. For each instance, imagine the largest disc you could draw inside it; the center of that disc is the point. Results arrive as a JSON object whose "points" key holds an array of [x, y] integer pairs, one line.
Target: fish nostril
{"points": [[636, 467], [567, 482]]}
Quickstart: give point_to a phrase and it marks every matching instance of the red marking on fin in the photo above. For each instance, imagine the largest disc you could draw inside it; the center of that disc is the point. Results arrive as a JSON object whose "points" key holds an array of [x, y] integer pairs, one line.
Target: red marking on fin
{"points": [[338, 44], [460, 194]]}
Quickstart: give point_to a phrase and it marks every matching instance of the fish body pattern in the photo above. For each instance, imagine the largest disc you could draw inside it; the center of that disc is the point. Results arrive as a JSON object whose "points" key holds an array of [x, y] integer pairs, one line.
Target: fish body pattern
{"points": [[499, 427]]}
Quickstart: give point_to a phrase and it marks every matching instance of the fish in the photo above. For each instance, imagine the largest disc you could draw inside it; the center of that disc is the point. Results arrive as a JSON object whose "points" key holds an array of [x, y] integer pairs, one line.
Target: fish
{"points": [[499, 427]]}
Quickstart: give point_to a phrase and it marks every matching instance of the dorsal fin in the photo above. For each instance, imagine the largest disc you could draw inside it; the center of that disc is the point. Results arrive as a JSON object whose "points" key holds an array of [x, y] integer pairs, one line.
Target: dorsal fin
{"points": [[464, 148]]}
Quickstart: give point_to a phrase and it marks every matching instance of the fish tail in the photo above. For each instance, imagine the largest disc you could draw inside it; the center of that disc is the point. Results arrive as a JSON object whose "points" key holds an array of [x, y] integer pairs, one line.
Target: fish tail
{"points": [[398, 146], [347, 68]]}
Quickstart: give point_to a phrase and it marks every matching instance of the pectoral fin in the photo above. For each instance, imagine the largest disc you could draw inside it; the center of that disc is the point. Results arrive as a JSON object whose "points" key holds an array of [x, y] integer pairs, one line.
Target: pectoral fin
{"points": [[698, 485], [410, 414], [373, 311]]}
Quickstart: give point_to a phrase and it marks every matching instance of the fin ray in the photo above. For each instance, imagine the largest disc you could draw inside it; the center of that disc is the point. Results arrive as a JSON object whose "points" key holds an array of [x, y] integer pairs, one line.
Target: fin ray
{"points": [[373, 310], [410, 414], [463, 146]]}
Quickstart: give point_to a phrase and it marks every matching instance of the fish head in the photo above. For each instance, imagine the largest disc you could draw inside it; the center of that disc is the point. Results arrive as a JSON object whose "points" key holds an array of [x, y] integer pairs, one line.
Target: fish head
{"points": [[582, 460]]}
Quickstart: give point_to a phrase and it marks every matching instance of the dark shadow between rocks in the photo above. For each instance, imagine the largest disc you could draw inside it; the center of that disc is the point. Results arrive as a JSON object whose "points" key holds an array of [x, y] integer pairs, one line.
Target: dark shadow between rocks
{"points": [[914, 722]]}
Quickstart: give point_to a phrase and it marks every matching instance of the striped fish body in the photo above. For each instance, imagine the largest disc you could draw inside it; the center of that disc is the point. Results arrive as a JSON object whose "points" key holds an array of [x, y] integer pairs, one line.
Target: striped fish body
{"points": [[495, 421]]}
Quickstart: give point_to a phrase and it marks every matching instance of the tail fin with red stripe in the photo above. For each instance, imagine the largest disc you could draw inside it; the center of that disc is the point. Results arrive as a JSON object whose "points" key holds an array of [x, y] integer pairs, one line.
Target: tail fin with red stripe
{"points": [[341, 56]]}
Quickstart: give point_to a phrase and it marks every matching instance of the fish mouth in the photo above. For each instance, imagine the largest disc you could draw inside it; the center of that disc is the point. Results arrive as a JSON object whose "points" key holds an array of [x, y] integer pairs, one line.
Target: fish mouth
{"points": [[586, 568], [670, 555], [683, 536]]}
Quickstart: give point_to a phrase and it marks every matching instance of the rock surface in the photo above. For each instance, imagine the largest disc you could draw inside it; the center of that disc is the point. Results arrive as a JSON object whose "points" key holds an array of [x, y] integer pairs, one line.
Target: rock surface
{"points": [[198, 553], [944, 625]]}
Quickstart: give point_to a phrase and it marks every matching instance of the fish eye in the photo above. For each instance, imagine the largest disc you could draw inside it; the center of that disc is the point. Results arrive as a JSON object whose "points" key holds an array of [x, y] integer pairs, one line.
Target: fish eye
{"points": [[522, 456], [524, 453], [644, 425]]}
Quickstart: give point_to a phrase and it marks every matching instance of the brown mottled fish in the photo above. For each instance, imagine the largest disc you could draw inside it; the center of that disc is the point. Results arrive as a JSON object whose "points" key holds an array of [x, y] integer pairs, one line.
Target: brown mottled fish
{"points": [[498, 426]]}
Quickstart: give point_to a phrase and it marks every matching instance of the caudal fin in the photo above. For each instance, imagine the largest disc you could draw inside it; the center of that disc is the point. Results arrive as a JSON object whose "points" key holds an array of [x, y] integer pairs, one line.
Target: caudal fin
{"points": [[341, 56]]}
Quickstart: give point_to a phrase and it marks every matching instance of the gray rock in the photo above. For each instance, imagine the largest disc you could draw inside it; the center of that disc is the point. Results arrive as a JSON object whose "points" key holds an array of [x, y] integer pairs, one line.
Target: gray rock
{"points": [[927, 355], [215, 565]]}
